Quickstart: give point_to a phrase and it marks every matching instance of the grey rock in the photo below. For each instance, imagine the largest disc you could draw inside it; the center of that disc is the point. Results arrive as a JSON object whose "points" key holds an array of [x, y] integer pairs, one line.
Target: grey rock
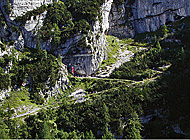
{"points": [[60, 85], [123, 21], [4, 93], [146, 16], [20, 7]]}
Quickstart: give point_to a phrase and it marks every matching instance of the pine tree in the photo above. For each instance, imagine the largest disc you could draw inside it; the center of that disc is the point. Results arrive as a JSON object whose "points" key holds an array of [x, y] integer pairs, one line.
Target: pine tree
{"points": [[155, 40], [8, 8], [104, 117], [59, 58], [45, 131], [165, 31], [39, 54], [37, 137], [182, 54], [43, 115], [24, 131], [132, 131], [158, 45], [33, 126], [56, 35], [89, 135], [53, 76], [38, 46], [44, 54], [107, 134], [14, 132], [73, 135], [4, 131], [62, 135]]}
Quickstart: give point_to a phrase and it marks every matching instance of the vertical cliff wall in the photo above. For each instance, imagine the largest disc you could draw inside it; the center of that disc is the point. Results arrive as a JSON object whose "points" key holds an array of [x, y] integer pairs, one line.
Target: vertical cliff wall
{"points": [[149, 15], [93, 43], [20, 7], [87, 61], [145, 15], [121, 20]]}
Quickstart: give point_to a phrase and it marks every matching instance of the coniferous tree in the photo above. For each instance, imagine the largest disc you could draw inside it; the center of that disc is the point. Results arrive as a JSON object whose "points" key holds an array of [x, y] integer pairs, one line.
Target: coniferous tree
{"points": [[62, 135], [4, 130], [45, 55], [24, 131], [133, 128], [39, 50], [8, 8], [37, 137], [89, 135], [106, 115], [33, 126], [45, 131], [73, 135], [165, 30], [38, 46], [155, 40], [182, 54], [59, 58], [14, 132], [56, 35], [107, 134], [158, 45], [43, 115]]}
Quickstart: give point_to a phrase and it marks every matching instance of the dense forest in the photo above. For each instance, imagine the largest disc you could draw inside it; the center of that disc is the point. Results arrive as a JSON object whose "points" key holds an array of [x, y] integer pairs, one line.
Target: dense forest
{"points": [[146, 97]]}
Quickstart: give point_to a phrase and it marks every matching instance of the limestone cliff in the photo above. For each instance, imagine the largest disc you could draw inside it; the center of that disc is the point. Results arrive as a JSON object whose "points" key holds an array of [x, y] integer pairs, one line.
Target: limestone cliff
{"points": [[61, 84], [87, 60], [145, 15], [96, 42], [20, 7], [123, 20]]}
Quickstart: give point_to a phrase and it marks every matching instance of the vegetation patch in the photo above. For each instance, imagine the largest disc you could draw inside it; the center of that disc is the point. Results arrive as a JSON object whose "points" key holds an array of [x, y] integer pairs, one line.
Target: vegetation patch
{"points": [[158, 91], [65, 19], [112, 50], [32, 69], [18, 99], [29, 14]]}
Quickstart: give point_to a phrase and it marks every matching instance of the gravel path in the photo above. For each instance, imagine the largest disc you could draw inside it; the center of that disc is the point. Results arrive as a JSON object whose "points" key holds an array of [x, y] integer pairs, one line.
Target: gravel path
{"points": [[123, 57], [27, 113]]}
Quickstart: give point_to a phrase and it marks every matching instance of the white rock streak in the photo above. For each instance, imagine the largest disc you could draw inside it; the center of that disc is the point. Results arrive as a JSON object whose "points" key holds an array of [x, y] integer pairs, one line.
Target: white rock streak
{"points": [[106, 8]]}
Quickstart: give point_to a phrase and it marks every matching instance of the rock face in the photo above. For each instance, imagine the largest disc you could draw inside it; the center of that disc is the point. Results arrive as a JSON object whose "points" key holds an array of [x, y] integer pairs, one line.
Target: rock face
{"points": [[145, 16], [125, 20], [4, 93], [149, 15], [87, 60], [20, 7], [60, 85], [119, 22]]}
